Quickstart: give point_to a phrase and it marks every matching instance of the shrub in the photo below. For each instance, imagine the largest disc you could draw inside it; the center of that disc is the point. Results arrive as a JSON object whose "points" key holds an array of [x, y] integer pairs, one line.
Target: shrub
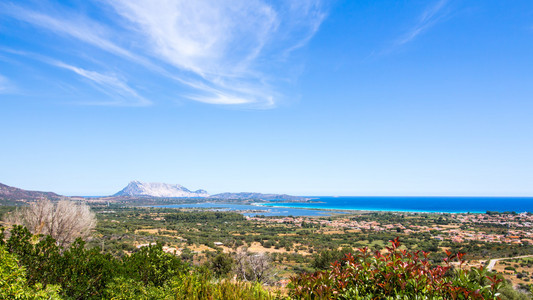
{"points": [[398, 274], [86, 273], [152, 266], [325, 258], [13, 283], [199, 285], [221, 264]]}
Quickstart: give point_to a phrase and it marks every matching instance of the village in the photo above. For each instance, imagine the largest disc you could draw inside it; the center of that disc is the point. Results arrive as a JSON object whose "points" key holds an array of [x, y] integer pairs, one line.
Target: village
{"points": [[513, 228]]}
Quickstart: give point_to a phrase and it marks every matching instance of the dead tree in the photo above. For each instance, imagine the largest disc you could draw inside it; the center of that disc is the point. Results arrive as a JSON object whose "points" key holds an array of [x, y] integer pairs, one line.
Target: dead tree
{"points": [[64, 220], [253, 266]]}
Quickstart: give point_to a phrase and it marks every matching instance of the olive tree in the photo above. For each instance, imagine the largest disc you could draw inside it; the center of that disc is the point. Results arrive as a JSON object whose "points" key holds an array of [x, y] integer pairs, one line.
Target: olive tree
{"points": [[63, 220]]}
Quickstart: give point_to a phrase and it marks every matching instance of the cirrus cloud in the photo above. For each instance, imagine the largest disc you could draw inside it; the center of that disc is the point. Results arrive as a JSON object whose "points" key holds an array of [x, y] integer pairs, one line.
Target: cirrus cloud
{"points": [[217, 52]]}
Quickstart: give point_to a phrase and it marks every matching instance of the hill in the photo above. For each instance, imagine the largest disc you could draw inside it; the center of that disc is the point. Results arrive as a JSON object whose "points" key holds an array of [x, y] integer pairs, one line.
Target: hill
{"points": [[159, 190], [14, 196], [136, 189], [257, 196]]}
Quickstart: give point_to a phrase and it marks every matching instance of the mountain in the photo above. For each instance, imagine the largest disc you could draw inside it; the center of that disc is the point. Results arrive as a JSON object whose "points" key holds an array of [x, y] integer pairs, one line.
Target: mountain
{"points": [[159, 190], [13, 195], [256, 196]]}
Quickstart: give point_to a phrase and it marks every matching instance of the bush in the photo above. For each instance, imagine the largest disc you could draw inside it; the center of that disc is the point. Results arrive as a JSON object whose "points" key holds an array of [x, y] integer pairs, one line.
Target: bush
{"points": [[323, 260], [13, 283], [152, 266], [198, 285], [221, 264], [82, 273], [396, 275]]}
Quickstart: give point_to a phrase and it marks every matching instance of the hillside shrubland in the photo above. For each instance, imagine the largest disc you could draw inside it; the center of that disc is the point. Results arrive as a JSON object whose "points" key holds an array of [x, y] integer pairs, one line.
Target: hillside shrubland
{"points": [[35, 267]]}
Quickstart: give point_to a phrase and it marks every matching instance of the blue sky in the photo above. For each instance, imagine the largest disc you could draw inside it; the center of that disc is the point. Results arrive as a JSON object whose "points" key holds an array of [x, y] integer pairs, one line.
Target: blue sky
{"points": [[310, 97]]}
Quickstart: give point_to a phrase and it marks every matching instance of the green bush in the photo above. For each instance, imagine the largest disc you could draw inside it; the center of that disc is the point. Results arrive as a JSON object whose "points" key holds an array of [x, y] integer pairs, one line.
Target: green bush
{"points": [[325, 258], [13, 281], [152, 266], [221, 264], [198, 285], [82, 273]]}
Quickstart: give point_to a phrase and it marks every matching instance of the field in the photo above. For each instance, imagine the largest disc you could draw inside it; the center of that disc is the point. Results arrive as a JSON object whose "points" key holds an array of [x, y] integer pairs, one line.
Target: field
{"points": [[519, 271]]}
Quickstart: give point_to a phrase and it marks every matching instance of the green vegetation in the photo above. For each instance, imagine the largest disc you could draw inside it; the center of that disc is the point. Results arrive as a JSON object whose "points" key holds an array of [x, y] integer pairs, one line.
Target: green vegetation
{"points": [[14, 284], [6, 209], [154, 253], [396, 275], [48, 271], [295, 246]]}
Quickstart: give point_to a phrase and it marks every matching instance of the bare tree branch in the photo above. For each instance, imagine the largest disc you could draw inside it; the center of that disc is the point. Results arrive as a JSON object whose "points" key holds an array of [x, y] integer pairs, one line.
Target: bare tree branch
{"points": [[64, 220], [252, 266]]}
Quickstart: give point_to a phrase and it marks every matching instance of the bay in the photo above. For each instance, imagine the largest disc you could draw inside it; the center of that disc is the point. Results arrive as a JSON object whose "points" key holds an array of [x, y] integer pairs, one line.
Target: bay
{"points": [[417, 204], [251, 210]]}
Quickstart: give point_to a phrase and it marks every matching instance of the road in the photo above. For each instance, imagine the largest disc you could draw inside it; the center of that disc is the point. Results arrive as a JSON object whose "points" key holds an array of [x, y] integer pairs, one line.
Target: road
{"points": [[493, 261]]}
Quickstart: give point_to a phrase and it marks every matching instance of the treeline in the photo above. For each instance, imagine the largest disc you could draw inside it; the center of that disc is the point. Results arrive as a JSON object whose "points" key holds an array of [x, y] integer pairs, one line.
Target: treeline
{"points": [[203, 216]]}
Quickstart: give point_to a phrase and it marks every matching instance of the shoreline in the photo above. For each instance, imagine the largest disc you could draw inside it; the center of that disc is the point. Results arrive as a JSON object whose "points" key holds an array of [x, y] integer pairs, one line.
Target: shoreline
{"points": [[332, 209], [368, 210]]}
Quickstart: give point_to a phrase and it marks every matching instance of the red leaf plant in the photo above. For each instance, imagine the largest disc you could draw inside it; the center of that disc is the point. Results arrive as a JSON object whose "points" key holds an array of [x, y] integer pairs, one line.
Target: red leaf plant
{"points": [[397, 274]]}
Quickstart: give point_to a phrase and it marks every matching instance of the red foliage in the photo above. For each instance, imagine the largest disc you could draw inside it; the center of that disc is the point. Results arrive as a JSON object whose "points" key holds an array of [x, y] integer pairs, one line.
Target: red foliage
{"points": [[395, 273]]}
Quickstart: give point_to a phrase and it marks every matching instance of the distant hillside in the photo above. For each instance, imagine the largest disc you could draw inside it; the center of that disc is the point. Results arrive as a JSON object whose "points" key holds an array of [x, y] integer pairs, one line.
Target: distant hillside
{"points": [[12, 195], [159, 190], [257, 196], [137, 189]]}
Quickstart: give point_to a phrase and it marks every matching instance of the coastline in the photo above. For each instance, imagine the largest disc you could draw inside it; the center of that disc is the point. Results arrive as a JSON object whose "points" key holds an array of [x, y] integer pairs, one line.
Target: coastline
{"points": [[342, 205], [351, 210]]}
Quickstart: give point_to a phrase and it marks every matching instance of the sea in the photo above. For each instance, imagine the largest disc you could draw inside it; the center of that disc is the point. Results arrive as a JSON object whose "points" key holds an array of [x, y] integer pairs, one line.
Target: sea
{"points": [[417, 204], [323, 206], [251, 210]]}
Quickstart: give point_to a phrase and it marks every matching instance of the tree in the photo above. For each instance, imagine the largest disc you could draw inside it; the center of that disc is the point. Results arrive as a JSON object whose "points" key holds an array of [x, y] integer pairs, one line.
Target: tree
{"points": [[221, 264], [64, 220], [253, 267]]}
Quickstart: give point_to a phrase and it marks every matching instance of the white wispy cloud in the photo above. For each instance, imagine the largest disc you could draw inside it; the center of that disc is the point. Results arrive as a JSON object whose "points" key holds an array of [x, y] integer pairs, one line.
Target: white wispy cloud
{"points": [[306, 17], [112, 85], [429, 17], [223, 50], [197, 35], [219, 42], [72, 25]]}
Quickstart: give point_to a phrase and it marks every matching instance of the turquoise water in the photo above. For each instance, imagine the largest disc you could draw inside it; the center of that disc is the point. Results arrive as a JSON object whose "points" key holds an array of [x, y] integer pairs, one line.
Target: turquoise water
{"points": [[320, 205], [258, 210], [417, 204]]}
